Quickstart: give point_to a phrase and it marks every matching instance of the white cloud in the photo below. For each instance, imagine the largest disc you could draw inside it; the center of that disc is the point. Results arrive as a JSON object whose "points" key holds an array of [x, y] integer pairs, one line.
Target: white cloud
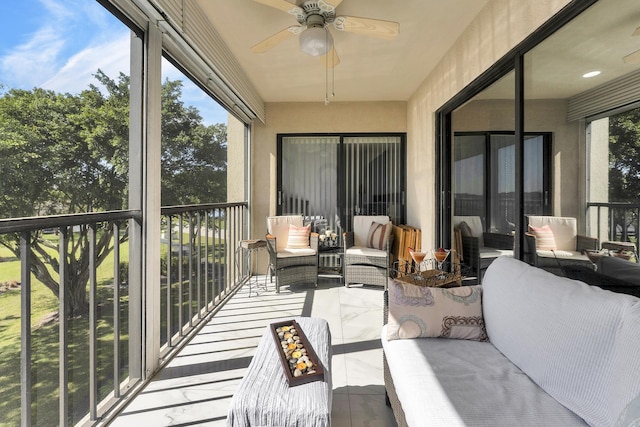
{"points": [[28, 63], [76, 74]]}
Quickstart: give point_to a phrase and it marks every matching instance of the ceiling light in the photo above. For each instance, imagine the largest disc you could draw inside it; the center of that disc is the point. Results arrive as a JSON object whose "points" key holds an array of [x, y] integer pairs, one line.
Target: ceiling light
{"points": [[315, 41], [590, 74]]}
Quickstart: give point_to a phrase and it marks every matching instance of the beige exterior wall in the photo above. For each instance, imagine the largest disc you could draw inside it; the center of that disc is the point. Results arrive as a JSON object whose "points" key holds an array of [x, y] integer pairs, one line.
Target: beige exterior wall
{"points": [[235, 160], [336, 117], [500, 26]]}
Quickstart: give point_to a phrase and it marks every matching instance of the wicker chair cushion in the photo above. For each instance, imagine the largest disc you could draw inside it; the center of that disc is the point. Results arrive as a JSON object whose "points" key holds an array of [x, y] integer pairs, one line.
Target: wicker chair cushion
{"points": [[475, 225], [278, 226], [365, 252], [361, 226], [295, 252], [565, 230]]}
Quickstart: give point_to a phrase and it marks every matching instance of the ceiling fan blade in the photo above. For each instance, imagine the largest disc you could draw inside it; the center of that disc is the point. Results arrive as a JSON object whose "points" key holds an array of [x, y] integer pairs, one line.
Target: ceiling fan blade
{"points": [[276, 39], [369, 27], [632, 58], [636, 32], [291, 9], [331, 59], [334, 3]]}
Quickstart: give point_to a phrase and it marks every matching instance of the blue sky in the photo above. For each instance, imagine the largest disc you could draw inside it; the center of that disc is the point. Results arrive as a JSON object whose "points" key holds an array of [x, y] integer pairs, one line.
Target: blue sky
{"points": [[60, 44]]}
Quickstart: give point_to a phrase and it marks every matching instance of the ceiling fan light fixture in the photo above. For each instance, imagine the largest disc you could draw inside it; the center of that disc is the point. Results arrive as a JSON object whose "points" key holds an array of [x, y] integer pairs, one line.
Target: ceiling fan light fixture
{"points": [[316, 41]]}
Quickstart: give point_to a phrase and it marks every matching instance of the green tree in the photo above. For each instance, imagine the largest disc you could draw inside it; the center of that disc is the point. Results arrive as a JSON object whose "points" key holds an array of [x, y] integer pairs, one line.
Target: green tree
{"points": [[63, 153], [624, 164], [194, 161]]}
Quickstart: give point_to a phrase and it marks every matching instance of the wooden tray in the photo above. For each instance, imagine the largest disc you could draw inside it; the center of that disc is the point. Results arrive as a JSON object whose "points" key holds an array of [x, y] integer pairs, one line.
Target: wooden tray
{"points": [[305, 378]]}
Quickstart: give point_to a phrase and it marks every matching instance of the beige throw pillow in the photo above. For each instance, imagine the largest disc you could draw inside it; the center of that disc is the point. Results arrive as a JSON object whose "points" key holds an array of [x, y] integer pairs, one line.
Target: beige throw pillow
{"points": [[298, 237], [544, 238]]}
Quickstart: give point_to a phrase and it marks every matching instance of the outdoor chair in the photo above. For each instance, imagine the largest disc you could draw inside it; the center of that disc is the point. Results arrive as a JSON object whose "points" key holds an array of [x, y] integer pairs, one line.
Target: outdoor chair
{"points": [[552, 241], [367, 251], [480, 248], [293, 251]]}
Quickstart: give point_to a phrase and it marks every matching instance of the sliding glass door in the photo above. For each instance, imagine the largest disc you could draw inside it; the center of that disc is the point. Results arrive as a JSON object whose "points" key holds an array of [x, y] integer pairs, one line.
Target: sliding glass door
{"points": [[484, 177], [331, 178]]}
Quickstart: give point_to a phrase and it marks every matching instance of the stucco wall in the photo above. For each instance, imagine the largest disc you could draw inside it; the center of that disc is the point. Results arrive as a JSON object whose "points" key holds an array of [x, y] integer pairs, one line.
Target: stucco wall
{"points": [[336, 117], [500, 26]]}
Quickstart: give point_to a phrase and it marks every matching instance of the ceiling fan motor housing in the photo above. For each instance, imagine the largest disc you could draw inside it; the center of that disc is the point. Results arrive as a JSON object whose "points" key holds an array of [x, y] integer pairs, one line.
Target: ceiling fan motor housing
{"points": [[315, 40]]}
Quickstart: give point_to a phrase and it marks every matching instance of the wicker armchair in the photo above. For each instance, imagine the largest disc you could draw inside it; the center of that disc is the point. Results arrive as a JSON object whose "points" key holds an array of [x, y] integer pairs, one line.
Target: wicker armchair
{"points": [[290, 264], [363, 263], [480, 248], [569, 245]]}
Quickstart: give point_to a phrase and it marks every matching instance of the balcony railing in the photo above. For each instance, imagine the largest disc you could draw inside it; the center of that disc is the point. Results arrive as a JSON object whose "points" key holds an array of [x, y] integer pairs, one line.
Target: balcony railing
{"points": [[615, 221], [87, 353]]}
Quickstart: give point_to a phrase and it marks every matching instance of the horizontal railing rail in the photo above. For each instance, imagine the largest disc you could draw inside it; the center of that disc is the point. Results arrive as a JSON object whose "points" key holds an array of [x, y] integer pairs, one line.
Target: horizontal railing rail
{"points": [[623, 220], [197, 275]]}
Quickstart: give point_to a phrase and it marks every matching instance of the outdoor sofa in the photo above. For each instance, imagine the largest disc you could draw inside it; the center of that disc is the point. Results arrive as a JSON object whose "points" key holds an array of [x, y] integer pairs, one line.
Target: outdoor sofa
{"points": [[558, 352]]}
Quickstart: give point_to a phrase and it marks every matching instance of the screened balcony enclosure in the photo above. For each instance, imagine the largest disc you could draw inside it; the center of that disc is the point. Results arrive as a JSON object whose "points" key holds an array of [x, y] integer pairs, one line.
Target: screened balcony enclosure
{"points": [[135, 163]]}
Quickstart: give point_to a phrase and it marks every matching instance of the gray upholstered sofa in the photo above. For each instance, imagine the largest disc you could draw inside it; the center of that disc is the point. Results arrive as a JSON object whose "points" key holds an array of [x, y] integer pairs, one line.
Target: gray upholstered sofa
{"points": [[560, 353]]}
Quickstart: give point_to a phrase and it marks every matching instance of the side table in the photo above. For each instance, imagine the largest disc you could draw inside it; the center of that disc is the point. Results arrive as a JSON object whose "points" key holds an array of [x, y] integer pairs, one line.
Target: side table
{"points": [[243, 260], [264, 397], [331, 263]]}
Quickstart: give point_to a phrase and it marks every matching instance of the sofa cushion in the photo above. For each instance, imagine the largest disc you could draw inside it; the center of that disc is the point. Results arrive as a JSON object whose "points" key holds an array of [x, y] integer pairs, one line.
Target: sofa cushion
{"points": [[451, 383], [544, 238], [278, 226], [475, 225], [620, 269], [421, 311], [298, 237], [378, 235], [625, 372], [562, 333]]}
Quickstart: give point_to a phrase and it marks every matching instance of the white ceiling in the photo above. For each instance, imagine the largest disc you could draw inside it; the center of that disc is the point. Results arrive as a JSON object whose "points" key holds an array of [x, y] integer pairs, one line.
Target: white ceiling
{"points": [[597, 39], [369, 69]]}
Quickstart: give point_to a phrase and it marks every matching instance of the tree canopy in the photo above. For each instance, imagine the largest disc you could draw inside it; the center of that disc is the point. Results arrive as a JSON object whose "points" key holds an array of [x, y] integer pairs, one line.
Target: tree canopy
{"points": [[65, 153], [624, 157]]}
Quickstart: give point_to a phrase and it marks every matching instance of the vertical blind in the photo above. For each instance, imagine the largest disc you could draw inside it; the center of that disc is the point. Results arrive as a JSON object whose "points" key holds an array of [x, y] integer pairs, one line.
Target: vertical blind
{"points": [[330, 179]]}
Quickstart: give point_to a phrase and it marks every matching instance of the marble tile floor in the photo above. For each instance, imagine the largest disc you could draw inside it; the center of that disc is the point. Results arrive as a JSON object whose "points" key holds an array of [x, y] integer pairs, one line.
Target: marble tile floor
{"points": [[196, 387]]}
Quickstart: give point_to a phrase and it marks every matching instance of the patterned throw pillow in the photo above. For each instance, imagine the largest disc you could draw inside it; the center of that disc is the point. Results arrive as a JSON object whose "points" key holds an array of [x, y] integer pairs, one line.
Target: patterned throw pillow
{"points": [[298, 237], [544, 238], [421, 312], [378, 235]]}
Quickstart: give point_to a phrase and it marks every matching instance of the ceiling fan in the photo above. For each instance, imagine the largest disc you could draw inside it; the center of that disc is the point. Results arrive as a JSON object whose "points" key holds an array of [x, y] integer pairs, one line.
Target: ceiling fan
{"points": [[314, 18], [633, 57]]}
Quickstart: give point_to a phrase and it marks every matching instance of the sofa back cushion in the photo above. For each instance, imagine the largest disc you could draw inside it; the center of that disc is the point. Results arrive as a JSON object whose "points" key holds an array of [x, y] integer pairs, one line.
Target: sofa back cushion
{"points": [[361, 226], [562, 333], [278, 226], [565, 230]]}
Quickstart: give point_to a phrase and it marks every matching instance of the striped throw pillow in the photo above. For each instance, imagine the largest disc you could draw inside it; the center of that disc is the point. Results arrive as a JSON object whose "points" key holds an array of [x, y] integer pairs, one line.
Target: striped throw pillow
{"points": [[378, 235], [544, 238], [298, 237]]}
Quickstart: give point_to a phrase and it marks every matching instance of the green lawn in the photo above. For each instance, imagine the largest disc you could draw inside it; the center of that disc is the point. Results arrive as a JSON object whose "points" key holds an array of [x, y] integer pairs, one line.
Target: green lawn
{"points": [[45, 343], [45, 347]]}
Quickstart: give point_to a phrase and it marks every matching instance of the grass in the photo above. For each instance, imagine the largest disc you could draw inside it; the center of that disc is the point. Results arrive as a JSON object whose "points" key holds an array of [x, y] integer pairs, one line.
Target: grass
{"points": [[45, 348]]}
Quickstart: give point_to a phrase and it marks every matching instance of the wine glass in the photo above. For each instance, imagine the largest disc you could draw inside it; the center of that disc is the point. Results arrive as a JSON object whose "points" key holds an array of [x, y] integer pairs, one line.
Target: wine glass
{"points": [[418, 258], [441, 256]]}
